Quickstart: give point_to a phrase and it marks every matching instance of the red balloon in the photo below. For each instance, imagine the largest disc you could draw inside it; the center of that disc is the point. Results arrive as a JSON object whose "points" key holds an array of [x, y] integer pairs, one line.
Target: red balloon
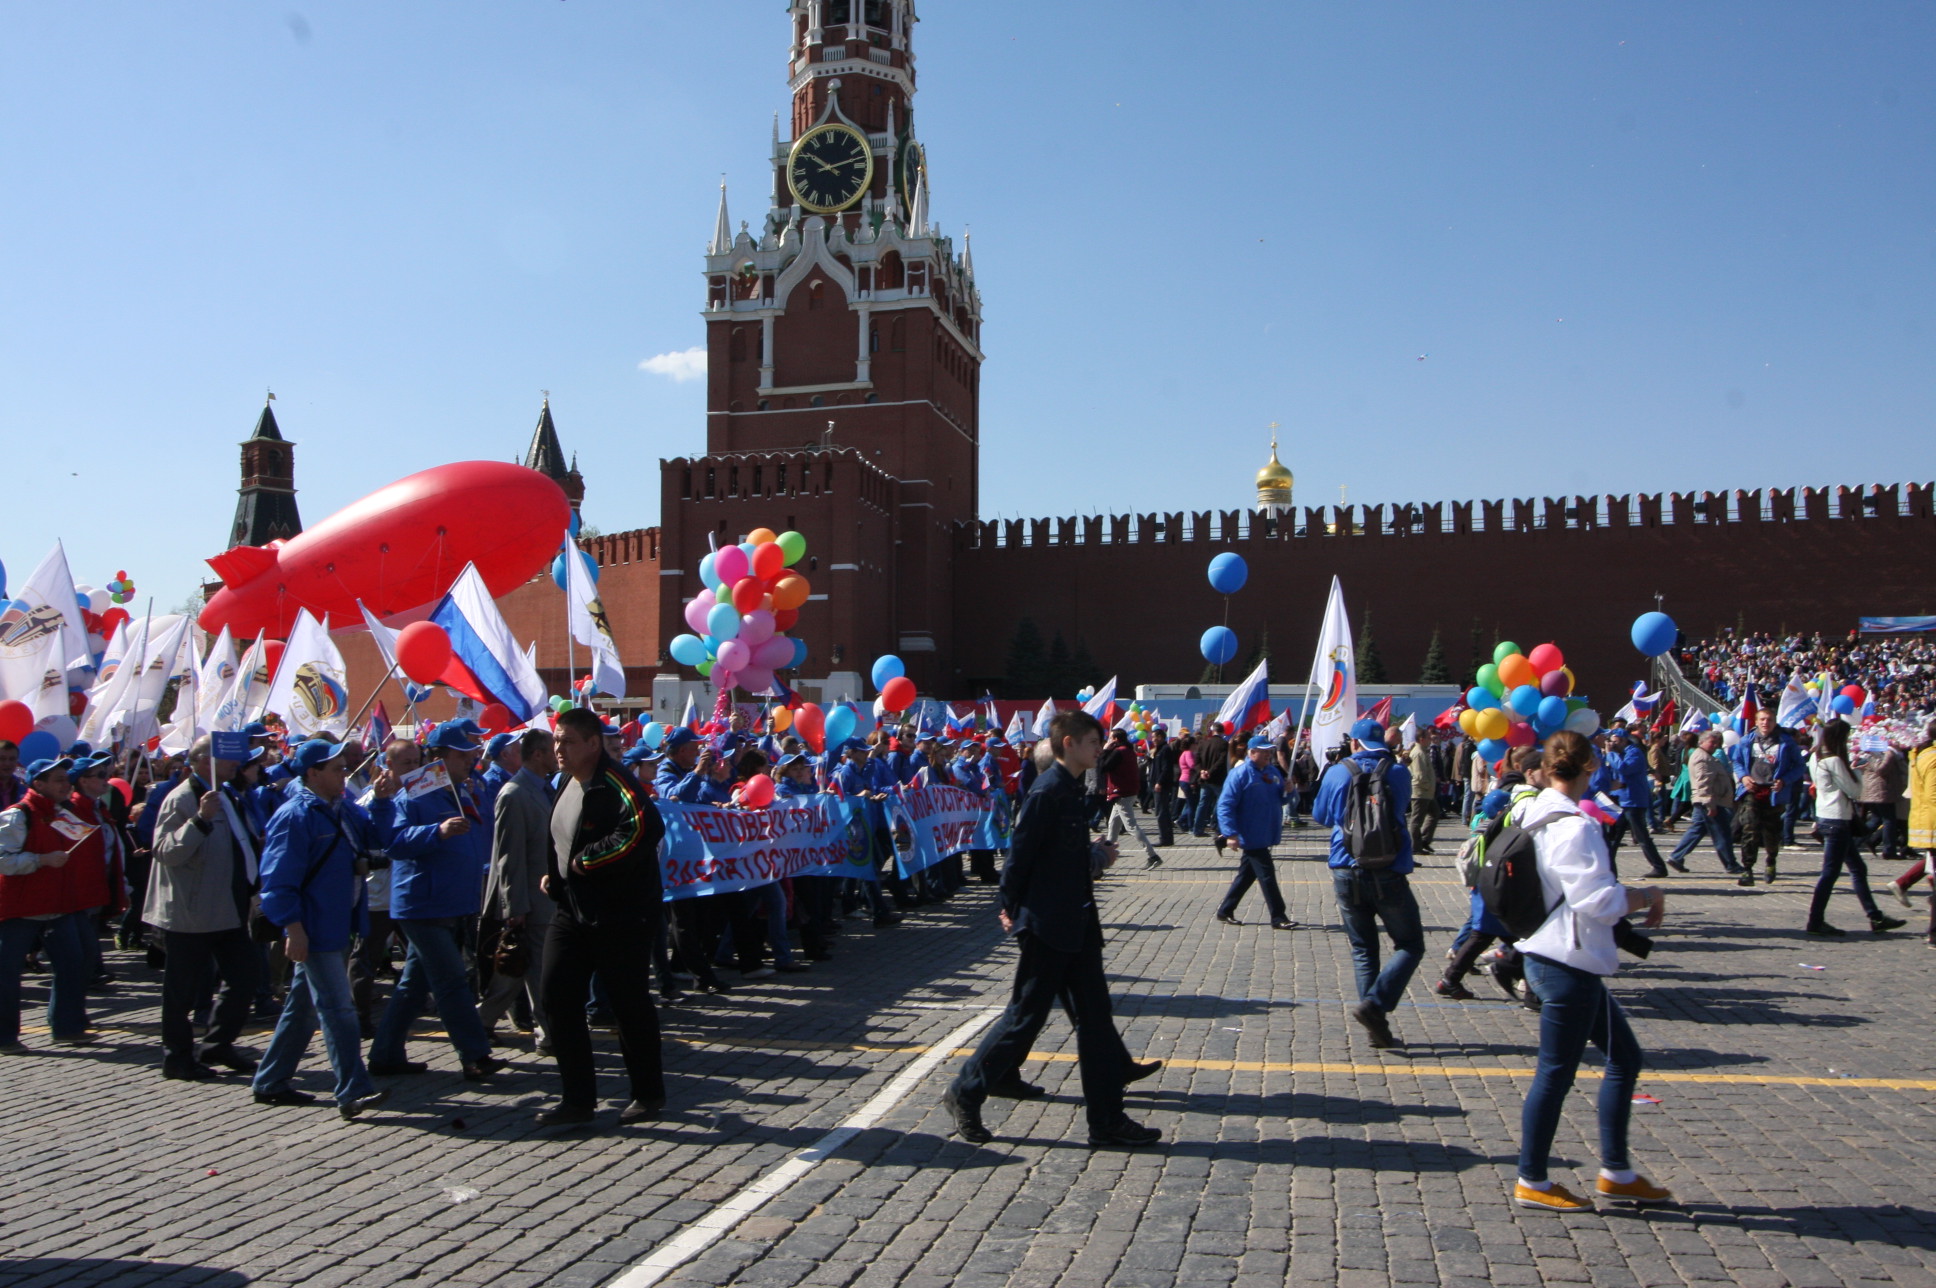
{"points": [[1854, 693], [811, 724], [898, 694], [1546, 657], [16, 721], [272, 655], [784, 618], [1520, 735], [423, 651], [757, 791], [113, 618], [77, 703], [397, 549], [747, 595], [125, 788], [768, 560], [496, 718]]}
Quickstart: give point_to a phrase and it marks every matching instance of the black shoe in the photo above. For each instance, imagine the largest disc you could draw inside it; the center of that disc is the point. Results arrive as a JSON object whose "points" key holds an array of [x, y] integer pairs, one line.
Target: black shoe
{"points": [[397, 1068], [1733, 869], [157, 957], [603, 1018], [1883, 923], [229, 1058], [1453, 989], [1140, 1069], [1679, 865], [1155, 861], [669, 997], [1746, 878], [1124, 1132], [1228, 919], [641, 1111], [791, 968], [362, 1104], [566, 1115], [483, 1067], [1821, 928], [1016, 1089], [1368, 1014], [887, 919], [968, 1124], [1283, 923], [287, 1096], [366, 1028], [1656, 873], [197, 1072]]}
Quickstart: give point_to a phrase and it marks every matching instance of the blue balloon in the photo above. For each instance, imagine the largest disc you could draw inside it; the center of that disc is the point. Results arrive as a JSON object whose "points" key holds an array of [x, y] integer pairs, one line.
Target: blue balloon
{"points": [[1492, 749], [577, 522], [1525, 699], [799, 656], [887, 667], [689, 649], [1653, 633], [1551, 716], [707, 577], [39, 745], [653, 734], [1228, 573], [558, 568], [1841, 702], [3, 583], [1219, 645], [1480, 699], [722, 622], [839, 726]]}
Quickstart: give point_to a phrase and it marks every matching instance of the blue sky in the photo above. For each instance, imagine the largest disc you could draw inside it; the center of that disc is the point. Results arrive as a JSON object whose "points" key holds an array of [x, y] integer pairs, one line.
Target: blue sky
{"points": [[1639, 247]]}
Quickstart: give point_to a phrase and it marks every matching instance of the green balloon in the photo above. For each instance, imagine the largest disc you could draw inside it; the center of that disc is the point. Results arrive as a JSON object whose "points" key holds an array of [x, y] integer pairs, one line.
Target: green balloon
{"points": [[1504, 650], [1489, 680], [793, 546], [560, 704], [705, 668]]}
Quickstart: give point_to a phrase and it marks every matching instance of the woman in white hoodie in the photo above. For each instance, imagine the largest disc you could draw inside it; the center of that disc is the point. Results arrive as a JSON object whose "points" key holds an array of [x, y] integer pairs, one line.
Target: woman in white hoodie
{"points": [[1567, 960]]}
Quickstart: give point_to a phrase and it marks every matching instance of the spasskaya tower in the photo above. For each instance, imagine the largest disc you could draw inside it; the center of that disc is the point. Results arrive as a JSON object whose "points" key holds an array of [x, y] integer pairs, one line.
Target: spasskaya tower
{"points": [[843, 341]]}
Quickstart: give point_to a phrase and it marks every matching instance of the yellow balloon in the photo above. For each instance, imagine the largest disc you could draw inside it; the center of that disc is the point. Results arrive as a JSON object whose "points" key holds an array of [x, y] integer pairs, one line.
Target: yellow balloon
{"points": [[1467, 720], [1491, 723], [1571, 682]]}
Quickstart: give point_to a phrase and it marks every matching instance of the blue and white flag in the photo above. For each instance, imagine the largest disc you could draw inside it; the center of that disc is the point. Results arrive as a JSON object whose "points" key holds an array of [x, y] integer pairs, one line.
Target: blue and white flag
{"points": [[487, 663], [1099, 704], [1796, 706], [1042, 718]]}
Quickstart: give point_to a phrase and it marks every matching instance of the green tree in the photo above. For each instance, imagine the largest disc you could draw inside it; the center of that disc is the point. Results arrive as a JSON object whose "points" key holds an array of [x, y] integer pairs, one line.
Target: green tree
{"points": [[1480, 653], [1083, 669], [1371, 667], [1061, 670], [1435, 671], [1028, 661]]}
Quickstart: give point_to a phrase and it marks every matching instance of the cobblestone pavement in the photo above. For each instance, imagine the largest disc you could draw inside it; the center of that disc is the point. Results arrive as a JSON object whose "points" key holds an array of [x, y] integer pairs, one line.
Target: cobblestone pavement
{"points": [[1794, 1121]]}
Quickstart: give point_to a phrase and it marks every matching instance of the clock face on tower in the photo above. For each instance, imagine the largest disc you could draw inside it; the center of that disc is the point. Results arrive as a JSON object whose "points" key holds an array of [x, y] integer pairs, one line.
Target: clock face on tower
{"points": [[914, 159], [830, 167]]}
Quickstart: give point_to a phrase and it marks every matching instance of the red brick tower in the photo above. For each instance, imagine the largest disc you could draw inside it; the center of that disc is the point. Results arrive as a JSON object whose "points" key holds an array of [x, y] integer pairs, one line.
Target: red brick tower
{"points": [[847, 327]]}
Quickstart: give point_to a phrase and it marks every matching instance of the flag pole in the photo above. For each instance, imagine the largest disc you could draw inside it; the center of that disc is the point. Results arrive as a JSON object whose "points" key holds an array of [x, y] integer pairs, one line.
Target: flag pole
{"points": [[357, 718]]}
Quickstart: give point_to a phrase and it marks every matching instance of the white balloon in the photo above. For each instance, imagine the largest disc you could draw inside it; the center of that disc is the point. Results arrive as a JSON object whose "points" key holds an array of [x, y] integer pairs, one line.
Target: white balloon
{"points": [[1585, 722], [1729, 738]]}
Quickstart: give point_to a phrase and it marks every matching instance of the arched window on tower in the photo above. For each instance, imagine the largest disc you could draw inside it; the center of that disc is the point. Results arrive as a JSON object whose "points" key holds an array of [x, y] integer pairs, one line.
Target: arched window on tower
{"points": [[873, 339], [897, 337], [739, 344]]}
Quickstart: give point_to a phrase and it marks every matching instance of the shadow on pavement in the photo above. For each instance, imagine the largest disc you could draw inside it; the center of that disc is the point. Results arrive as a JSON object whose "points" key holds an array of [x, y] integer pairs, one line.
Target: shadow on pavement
{"points": [[120, 1273]]}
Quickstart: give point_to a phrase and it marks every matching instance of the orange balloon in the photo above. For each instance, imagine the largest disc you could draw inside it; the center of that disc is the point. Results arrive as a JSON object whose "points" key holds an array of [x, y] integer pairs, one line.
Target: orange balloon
{"points": [[782, 719], [1516, 670], [760, 536], [791, 591]]}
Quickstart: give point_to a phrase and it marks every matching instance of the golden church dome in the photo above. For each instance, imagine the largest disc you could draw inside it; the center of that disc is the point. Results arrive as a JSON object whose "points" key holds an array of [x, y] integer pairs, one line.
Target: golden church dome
{"points": [[1275, 480]]}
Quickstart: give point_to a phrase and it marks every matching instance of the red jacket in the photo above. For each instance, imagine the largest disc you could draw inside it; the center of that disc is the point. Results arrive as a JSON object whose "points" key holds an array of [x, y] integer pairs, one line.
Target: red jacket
{"points": [[94, 869], [1122, 778], [45, 892]]}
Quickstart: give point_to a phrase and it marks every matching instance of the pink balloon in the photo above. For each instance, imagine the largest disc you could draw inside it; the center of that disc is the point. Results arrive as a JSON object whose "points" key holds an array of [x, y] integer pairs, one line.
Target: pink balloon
{"points": [[1546, 657], [756, 792], [755, 678], [773, 654], [729, 565], [696, 611], [735, 656], [757, 628]]}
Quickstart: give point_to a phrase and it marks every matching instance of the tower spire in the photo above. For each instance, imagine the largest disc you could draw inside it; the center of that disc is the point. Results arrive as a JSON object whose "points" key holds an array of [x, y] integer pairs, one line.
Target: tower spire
{"points": [[918, 217], [968, 270], [723, 228]]}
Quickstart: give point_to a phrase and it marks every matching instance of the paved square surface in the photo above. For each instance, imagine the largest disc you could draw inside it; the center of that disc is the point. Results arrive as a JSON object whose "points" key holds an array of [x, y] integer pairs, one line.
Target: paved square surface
{"points": [[1794, 1121]]}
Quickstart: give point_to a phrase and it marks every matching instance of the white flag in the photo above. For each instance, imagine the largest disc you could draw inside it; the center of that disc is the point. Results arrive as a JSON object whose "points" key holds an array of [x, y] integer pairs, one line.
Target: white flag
{"points": [[179, 734], [311, 687], [45, 610], [1104, 696], [589, 627], [120, 664], [1279, 726], [241, 699], [214, 680], [47, 698], [386, 639], [49, 593], [1042, 718], [1334, 676], [1408, 732], [139, 712]]}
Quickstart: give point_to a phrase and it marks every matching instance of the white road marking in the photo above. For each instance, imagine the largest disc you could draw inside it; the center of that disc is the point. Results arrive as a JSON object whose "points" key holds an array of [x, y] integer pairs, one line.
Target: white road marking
{"points": [[719, 1222]]}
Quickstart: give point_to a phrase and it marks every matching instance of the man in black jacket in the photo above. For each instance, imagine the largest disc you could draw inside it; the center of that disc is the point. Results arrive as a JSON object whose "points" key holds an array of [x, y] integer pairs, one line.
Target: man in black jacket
{"points": [[605, 834], [1162, 782], [1049, 904]]}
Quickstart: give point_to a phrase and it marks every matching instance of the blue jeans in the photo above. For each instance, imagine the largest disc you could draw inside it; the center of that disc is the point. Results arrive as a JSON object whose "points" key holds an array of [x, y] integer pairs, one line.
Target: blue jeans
{"points": [[1576, 1009], [1715, 824], [432, 970], [1364, 900], [1205, 816], [1633, 819], [319, 990], [770, 901], [66, 954]]}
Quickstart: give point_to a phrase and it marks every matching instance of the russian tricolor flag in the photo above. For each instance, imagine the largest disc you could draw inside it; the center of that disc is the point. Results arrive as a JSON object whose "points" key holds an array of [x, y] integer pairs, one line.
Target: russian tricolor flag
{"points": [[486, 663], [1249, 703]]}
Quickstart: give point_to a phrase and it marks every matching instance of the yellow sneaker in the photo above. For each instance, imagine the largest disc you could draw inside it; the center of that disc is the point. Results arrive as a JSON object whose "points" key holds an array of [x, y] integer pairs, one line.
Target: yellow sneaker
{"points": [[1639, 1190], [1556, 1199]]}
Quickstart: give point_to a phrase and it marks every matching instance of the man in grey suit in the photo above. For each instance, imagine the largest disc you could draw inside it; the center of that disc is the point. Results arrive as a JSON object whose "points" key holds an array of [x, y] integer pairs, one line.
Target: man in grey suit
{"points": [[520, 857], [198, 896]]}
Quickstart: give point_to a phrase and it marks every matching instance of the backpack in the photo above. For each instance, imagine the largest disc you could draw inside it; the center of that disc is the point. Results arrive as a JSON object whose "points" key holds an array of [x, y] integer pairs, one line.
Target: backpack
{"points": [[1373, 831], [1508, 884]]}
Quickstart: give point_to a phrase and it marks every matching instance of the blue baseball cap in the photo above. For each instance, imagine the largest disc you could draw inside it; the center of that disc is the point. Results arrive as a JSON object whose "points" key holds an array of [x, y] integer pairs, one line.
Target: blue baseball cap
{"points": [[677, 738], [451, 736], [88, 764], [498, 742], [791, 758], [315, 752], [638, 753], [853, 745], [256, 729], [47, 765], [80, 750], [1261, 743], [1368, 731]]}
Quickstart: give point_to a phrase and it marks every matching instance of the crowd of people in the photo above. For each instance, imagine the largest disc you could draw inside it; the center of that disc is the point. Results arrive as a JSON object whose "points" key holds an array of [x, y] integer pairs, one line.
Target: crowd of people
{"points": [[518, 878], [1897, 671]]}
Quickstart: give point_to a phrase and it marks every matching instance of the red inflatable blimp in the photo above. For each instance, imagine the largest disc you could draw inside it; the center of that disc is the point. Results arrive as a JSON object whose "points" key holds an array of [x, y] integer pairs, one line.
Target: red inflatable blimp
{"points": [[396, 549]]}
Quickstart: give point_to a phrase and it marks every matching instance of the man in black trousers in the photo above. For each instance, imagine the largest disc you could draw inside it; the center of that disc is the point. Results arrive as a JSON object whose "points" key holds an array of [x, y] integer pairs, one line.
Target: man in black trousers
{"points": [[605, 834], [1049, 904]]}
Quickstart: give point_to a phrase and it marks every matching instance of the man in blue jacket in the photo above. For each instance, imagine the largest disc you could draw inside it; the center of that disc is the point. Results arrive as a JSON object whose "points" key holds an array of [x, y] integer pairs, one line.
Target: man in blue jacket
{"points": [[1250, 818], [1633, 791], [1369, 896], [313, 889], [1768, 777], [439, 843]]}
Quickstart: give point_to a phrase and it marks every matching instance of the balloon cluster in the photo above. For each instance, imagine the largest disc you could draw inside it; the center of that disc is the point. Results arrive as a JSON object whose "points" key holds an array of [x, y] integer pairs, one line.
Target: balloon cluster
{"points": [[101, 613], [751, 598], [121, 589], [1228, 573], [1847, 701], [1142, 720], [1519, 699], [890, 677]]}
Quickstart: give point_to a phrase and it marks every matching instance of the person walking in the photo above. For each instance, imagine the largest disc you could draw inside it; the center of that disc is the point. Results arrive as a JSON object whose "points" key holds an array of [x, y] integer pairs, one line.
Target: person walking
{"points": [[1250, 816], [1710, 788], [604, 878], [42, 905], [313, 892], [1836, 793], [1633, 790], [1213, 763], [1567, 962], [1162, 781], [1423, 817], [1122, 787], [1884, 775], [1768, 772], [1369, 872], [1048, 902], [514, 897], [1922, 813], [198, 896]]}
